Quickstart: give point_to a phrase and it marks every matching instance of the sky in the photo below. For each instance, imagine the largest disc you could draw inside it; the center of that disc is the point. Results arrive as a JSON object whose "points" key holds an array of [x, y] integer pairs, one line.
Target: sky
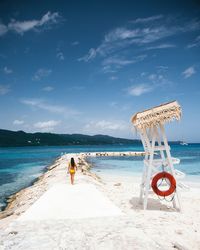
{"points": [[88, 66]]}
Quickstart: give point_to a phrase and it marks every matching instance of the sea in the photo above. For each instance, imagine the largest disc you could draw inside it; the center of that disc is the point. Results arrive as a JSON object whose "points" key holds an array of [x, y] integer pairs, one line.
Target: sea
{"points": [[21, 166]]}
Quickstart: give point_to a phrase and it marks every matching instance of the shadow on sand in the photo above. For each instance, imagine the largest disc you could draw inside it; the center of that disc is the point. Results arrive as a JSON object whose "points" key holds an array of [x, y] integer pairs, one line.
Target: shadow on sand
{"points": [[153, 204]]}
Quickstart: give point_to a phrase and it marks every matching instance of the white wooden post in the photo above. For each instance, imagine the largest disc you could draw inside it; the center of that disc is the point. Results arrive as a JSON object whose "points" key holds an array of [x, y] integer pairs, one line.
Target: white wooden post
{"points": [[147, 184], [171, 166], [144, 169]]}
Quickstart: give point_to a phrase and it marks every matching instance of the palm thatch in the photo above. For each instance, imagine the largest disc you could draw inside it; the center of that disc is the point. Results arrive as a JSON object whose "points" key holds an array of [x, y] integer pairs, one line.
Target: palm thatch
{"points": [[160, 114]]}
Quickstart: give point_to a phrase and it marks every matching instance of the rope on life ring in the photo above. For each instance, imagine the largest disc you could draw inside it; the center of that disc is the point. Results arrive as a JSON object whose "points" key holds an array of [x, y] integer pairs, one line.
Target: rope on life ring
{"points": [[163, 175]]}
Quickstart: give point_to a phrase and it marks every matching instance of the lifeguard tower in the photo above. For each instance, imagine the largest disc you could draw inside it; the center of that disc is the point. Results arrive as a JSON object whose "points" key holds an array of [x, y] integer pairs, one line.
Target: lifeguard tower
{"points": [[159, 170]]}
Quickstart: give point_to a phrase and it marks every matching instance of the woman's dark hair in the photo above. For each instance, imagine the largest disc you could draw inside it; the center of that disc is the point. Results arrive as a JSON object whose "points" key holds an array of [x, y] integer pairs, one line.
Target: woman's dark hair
{"points": [[72, 162]]}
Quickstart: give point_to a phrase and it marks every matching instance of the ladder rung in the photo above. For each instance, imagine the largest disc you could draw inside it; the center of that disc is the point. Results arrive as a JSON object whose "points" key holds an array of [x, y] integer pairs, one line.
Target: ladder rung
{"points": [[158, 148], [160, 162]]}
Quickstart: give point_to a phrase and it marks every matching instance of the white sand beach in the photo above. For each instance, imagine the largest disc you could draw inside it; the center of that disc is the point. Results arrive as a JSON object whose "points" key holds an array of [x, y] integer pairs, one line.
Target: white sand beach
{"points": [[96, 213], [82, 201]]}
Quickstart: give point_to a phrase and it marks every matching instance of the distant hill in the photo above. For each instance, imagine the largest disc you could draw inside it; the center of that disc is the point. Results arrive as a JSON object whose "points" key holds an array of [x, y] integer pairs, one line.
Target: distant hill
{"points": [[20, 138]]}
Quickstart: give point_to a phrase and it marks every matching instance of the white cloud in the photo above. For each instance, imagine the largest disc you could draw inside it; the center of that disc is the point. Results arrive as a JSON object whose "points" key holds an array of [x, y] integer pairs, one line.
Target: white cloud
{"points": [[41, 104], [162, 68], [41, 73], [117, 61], [4, 89], [49, 18], [147, 19], [38, 103], [89, 56], [21, 27], [60, 56], [196, 43], [108, 69], [137, 36], [189, 72], [48, 88], [152, 77], [46, 126], [110, 64], [140, 34], [159, 78], [7, 70], [103, 126], [161, 46], [121, 33], [18, 122], [125, 37], [139, 89]]}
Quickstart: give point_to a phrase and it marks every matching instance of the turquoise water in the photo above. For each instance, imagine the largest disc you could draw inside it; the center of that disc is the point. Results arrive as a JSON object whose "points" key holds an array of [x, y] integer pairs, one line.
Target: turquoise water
{"points": [[117, 165], [19, 167], [189, 156]]}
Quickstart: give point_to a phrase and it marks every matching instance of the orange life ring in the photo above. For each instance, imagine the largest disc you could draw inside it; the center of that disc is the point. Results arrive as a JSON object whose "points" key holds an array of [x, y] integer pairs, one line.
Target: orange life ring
{"points": [[163, 175]]}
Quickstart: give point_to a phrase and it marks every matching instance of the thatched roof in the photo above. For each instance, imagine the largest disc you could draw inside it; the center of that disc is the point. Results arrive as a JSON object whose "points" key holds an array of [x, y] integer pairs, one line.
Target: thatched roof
{"points": [[160, 114]]}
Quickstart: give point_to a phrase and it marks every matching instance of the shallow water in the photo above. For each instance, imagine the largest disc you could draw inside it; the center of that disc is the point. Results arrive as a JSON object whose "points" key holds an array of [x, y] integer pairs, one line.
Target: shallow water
{"points": [[19, 167], [189, 156]]}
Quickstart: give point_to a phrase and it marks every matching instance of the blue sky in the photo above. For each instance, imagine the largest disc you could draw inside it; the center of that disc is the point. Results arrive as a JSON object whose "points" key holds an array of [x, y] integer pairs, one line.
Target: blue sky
{"points": [[88, 66]]}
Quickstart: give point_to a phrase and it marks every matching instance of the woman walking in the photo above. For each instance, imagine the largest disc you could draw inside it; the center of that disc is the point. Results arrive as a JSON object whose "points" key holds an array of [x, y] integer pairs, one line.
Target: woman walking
{"points": [[72, 169]]}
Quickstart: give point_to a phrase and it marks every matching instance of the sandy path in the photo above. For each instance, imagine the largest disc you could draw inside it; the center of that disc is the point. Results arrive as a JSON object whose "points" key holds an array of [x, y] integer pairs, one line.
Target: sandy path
{"points": [[65, 201]]}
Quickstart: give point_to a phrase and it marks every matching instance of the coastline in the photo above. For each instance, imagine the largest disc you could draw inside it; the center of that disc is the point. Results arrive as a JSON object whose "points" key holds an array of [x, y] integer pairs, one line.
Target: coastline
{"points": [[13, 201], [11, 197], [20, 201], [158, 227]]}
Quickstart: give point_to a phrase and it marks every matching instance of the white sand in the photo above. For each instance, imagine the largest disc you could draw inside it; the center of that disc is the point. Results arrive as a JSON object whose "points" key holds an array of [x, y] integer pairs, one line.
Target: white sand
{"points": [[65, 201], [158, 228]]}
